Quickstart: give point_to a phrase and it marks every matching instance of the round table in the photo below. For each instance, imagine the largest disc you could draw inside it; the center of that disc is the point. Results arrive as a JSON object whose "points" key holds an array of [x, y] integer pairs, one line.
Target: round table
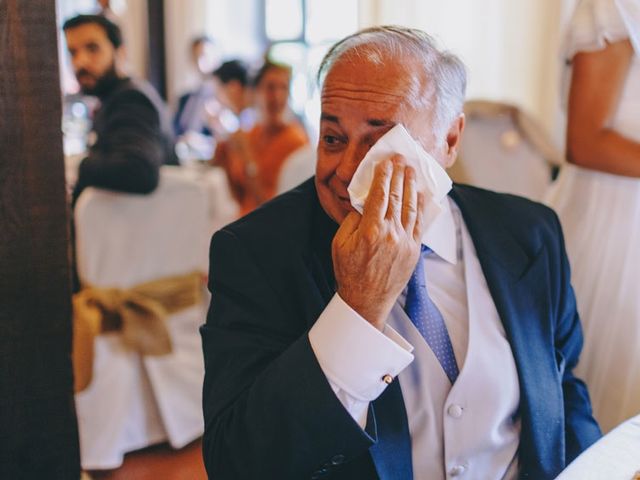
{"points": [[616, 456]]}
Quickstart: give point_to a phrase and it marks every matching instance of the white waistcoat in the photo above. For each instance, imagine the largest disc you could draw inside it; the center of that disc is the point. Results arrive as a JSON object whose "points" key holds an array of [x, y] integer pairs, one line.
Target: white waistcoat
{"points": [[468, 430]]}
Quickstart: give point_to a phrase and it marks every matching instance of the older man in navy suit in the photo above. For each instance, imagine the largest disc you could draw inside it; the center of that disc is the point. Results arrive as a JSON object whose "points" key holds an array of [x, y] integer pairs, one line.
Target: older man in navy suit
{"points": [[344, 345]]}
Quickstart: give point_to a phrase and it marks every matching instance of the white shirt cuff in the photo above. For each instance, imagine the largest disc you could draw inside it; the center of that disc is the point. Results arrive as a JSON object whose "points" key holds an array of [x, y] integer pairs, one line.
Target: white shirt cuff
{"points": [[354, 355]]}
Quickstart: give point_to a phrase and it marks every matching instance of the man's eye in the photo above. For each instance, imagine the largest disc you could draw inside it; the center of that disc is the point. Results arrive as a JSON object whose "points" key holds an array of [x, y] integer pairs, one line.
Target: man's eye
{"points": [[331, 139]]}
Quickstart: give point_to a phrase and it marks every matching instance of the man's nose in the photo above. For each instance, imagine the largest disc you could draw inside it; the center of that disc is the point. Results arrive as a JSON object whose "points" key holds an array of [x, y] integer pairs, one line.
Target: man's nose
{"points": [[349, 162], [80, 60], [282, 97]]}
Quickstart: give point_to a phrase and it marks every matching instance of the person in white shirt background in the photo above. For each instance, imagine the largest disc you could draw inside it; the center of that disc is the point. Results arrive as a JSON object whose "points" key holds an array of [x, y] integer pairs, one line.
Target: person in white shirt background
{"points": [[597, 197], [430, 336]]}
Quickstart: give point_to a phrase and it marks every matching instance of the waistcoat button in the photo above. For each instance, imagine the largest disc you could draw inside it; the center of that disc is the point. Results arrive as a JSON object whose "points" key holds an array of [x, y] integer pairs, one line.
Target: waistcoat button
{"points": [[455, 411], [457, 470]]}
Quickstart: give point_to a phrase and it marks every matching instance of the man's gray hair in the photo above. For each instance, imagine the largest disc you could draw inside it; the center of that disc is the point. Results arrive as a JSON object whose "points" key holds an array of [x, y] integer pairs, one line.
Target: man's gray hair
{"points": [[384, 43]]}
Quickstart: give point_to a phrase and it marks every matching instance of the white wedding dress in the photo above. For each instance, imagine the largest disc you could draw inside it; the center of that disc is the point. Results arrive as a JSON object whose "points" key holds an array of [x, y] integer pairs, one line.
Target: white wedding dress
{"points": [[600, 215]]}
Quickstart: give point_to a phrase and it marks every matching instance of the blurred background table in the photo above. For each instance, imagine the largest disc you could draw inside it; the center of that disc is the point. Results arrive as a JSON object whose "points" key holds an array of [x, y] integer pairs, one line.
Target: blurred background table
{"points": [[614, 457], [222, 208]]}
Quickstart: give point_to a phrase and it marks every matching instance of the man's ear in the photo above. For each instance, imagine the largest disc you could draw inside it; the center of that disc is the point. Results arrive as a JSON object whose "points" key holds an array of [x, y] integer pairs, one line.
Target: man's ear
{"points": [[454, 135]]}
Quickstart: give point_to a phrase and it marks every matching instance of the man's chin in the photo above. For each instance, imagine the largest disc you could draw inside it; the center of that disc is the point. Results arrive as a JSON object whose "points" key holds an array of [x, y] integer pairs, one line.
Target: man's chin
{"points": [[337, 210], [87, 84], [336, 206], [98, 86], [87, 89]]}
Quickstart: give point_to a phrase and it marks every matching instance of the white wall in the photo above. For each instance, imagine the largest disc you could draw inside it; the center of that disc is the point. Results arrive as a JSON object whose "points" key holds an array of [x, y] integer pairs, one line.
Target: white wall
{"points": [[511, 47], [233, 24], [183, 20], [135, 30], [236, 25]]}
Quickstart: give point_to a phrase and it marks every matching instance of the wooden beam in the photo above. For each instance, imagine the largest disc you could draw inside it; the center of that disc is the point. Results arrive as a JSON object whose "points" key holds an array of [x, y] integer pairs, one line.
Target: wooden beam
{"points": [[38, 430], [157, 59]]}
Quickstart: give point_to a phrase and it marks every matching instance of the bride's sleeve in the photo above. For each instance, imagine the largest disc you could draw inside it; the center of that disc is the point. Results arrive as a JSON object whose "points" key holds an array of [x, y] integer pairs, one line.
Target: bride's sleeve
{"points": [[595, 23]]}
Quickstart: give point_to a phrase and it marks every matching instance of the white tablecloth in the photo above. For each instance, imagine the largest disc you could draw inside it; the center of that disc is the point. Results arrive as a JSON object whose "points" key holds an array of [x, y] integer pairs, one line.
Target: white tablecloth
{"points": [[614, 457], [222, 208]]}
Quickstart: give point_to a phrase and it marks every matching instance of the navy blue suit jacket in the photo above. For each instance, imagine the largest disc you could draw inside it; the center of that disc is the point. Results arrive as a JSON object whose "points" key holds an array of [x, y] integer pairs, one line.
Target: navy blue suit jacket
{"points": [[269, 409]]}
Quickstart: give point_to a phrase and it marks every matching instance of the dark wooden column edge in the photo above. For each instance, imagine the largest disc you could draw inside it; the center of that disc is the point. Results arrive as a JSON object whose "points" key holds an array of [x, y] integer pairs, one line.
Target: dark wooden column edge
{"points": [[38, 428], [157, 53]]}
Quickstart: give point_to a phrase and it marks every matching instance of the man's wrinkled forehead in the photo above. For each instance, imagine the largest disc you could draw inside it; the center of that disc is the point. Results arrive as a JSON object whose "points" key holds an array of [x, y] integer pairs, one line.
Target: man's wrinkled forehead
{"points": [[397, 80]]}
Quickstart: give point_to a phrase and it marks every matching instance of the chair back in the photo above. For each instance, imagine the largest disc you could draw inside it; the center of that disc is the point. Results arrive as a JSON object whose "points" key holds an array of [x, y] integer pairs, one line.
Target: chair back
{"points": [[122, 241], [125, 239], [505, 150], [298, 167]]}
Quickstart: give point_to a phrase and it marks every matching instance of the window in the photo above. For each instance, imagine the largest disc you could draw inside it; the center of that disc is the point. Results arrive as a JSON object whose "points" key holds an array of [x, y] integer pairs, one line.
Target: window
{"points": [[299, 33]]}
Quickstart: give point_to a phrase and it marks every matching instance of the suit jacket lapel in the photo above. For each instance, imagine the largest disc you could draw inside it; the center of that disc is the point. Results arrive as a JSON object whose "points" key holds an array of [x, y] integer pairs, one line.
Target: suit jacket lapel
{"points": [[320, 260], [517, 281]]}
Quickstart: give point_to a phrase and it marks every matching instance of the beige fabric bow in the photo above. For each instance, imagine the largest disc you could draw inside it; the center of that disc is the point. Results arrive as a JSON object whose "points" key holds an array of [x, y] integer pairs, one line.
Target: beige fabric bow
{"points": [[138, 313]]}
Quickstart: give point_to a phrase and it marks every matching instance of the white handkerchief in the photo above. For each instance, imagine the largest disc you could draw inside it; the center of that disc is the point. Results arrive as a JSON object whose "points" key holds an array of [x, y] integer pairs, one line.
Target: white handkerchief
{"points": [[428, 170]]}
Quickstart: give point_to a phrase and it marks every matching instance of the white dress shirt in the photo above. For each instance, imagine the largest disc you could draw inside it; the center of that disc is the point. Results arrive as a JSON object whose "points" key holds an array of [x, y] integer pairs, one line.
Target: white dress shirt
{"points": [[468, 430]]}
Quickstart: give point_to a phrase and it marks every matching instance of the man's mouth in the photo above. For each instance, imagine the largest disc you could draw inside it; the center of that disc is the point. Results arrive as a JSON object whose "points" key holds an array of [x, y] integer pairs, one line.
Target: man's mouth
{"points": [[340, 193], [84, 77], [345, 201]]}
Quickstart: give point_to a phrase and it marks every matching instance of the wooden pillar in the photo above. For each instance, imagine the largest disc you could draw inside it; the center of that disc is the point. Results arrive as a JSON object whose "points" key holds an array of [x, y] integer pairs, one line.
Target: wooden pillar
{"points": [[157, 61], [38, 430]]}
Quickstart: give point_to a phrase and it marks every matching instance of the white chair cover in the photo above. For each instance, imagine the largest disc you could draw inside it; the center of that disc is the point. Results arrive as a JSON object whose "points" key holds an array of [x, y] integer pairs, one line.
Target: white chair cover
{"points": [[503, 149], [298, 166], [123, 240]]}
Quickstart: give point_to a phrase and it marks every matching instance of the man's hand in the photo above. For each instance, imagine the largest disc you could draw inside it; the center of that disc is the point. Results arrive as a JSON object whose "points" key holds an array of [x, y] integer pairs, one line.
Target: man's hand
{"points": [[374, 254]]}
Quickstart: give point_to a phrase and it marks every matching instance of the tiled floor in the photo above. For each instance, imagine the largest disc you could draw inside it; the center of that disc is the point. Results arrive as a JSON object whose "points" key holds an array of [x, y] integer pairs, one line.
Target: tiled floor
{"points": [[159, 463]]}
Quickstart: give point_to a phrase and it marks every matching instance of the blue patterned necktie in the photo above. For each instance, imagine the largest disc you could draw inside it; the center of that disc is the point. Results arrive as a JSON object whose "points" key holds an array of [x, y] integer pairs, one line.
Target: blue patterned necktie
{"points": [[428, 320]]}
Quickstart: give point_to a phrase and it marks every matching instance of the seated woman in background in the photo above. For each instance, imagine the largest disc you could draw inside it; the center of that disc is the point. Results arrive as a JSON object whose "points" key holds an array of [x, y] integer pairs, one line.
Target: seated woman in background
{"points": [[253, 159], [597, 197]]}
